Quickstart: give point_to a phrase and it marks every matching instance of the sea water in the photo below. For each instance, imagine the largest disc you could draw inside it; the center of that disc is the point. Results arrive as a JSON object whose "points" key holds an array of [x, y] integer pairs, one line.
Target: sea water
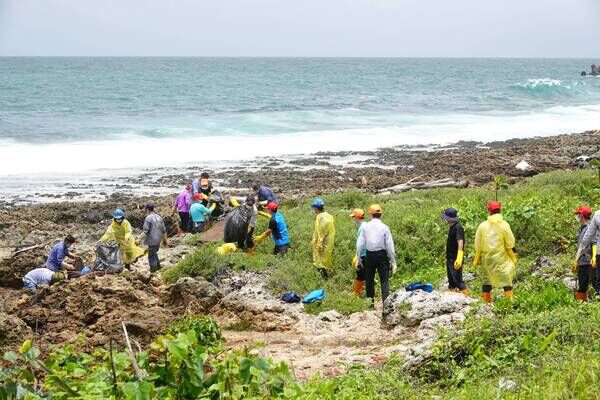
{"points": [[71, 115]]}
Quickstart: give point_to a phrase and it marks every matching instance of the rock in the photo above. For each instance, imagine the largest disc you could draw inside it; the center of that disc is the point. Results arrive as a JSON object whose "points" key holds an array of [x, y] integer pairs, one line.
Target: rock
{"points": [[330, 316], [523, 165], [570, 282], [507, 385], [13, 331], [196, 295], [411, 308]]}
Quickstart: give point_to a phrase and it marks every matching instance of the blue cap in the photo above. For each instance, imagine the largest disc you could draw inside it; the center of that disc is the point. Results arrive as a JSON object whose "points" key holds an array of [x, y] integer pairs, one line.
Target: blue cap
{"points": [[86, 270], [319, 203], [118, 214]]}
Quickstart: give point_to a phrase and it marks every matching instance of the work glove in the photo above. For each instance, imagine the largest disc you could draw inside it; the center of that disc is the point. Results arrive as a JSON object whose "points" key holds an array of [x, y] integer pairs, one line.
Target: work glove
{"points": [[511, 255], [394, 267], [319, 246], [261, 237], [459, 260], [594, 256], [574, 267], [476, 259], [354, 262]]}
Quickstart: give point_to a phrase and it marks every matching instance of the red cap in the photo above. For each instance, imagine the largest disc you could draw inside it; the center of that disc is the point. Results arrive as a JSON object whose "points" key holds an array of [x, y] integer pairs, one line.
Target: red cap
{"points": [[584, 210], [198, 196], [494, 206], [272, 206]]}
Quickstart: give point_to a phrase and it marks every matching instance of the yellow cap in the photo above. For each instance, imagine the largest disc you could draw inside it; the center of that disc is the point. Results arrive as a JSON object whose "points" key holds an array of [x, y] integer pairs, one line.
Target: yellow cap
{"points": [[375, 209], [357, 213]]}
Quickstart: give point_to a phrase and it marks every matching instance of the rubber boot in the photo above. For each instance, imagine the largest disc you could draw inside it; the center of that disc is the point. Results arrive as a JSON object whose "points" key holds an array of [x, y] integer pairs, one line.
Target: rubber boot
{"points": [[508, 294], [465, 292], [358, 287], [581, 296], [487, 297]]}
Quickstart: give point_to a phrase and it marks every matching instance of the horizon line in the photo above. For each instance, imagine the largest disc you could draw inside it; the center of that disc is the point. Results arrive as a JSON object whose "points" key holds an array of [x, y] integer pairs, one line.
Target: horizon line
{"points": [[306, 57]]}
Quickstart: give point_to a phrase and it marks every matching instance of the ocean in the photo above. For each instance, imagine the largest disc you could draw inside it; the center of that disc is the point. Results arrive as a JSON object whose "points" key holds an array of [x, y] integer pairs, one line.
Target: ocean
{"points": [[76, 115]]}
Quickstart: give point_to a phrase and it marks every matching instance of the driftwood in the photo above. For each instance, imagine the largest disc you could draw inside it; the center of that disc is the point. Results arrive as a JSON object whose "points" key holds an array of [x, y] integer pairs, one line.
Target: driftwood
{"points": [[28, 248], [139, 374], [412, 185]]}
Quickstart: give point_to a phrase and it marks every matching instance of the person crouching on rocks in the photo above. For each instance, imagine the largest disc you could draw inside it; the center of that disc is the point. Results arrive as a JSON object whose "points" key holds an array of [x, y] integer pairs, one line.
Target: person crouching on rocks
{"points": [[55, 261], [199, 213], [153, 234], [120, 231], [41, 276], [586, 264], [455, 245], [494, 243]]}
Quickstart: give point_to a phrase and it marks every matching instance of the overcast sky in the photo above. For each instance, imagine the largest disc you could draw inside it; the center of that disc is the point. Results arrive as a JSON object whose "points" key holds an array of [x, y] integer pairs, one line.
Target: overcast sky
{"points": [[396, 28]]}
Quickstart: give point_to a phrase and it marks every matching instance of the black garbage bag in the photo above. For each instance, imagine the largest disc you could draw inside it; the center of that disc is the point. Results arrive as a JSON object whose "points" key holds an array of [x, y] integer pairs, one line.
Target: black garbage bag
{"points": [[108, 258], [236, 224]]}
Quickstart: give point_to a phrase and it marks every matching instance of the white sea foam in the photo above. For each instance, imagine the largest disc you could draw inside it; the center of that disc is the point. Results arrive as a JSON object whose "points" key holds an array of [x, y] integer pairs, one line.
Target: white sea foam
{"points": [[142, 152]]}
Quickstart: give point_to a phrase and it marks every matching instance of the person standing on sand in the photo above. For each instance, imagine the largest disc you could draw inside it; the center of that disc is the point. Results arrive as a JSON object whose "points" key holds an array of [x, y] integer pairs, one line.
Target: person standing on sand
{"points": [[154, 233], [358, 216], [182, 207], [585, 264], [494, 243], [455, 245], [55, 261], [323, 239], [376, 239], [120, 231]]}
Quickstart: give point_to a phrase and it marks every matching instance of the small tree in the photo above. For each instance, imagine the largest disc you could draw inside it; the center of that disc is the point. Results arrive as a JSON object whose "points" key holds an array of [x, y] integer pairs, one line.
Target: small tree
{"points": [[500, 182]]}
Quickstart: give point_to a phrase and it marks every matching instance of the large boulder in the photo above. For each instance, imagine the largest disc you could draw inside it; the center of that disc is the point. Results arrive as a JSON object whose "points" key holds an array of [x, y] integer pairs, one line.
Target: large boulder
{"points": [[410, 309], [13, 331], [195, 295]]}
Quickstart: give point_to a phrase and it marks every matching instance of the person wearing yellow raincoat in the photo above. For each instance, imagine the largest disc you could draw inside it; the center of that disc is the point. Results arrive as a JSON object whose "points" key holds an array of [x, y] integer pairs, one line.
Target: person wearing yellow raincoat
{"points": [[323, 238], [494, 243], [120, 231]]}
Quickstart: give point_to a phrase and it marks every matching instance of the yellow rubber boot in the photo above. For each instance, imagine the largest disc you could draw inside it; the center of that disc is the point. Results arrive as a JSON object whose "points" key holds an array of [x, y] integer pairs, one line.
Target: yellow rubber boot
{"points": [[465, 292]]}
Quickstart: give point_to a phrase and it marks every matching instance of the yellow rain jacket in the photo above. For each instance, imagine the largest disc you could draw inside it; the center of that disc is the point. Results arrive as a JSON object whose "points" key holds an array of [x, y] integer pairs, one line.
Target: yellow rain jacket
{"points": [[123, 234], [494, 242], [323, 240]]}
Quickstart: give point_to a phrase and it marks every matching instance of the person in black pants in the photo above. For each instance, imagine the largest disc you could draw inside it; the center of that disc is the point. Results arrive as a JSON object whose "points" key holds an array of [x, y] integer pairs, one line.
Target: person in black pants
{"points": [[377, 239], [455, 245]]}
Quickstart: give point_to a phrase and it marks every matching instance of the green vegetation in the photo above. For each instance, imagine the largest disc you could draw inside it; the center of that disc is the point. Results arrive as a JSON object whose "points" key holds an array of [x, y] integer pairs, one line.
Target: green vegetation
{"points": [[543, 340]]}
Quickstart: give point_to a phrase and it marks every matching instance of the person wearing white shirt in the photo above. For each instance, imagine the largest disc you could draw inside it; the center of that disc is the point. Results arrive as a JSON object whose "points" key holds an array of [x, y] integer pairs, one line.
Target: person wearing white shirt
{"points": [[376, 238]]}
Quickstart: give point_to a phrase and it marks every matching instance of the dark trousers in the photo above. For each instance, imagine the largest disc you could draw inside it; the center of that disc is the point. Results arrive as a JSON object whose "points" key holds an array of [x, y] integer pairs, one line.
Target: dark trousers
{"points": [[455, 278], [153, 258], [184, 221], [248, 242], [377, 261], [586, 275], [198, 227], [360, 270], [281, 250], [488, 288]]}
